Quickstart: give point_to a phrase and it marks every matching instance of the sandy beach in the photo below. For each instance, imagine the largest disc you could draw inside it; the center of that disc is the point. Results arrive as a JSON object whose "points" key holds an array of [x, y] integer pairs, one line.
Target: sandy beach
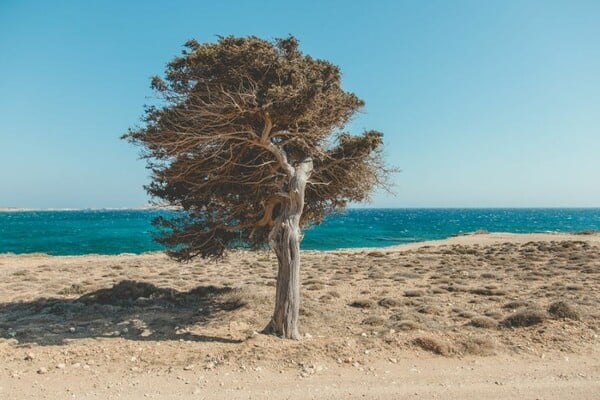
{"points": [[474, 316]]}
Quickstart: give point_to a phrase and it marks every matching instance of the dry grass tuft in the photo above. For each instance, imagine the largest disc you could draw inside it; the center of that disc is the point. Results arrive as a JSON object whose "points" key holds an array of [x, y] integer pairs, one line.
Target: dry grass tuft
{"points": [[484, 322], [527, 317], [434, 345], [488, 292], [74, 289], [407, 325], [389, 302], [364, 303], [562, 309], [477, 346], [373, 321], [239, 298], [516, 304]]}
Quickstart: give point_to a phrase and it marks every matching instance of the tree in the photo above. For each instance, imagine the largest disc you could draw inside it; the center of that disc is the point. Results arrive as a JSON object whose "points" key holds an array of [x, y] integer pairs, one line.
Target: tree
{"points": [[247, 140]]}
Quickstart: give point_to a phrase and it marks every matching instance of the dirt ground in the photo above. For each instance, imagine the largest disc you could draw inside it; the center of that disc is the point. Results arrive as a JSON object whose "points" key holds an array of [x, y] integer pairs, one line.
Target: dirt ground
{"points": [[477, 316]]}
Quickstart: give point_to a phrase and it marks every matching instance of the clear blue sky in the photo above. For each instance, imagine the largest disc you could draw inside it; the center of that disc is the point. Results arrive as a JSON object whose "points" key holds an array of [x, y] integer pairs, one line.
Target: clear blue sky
{"points": [[483, 103]]}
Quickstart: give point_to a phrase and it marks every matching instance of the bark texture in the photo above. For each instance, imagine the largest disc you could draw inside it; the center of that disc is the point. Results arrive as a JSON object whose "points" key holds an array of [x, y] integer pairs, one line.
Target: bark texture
{"points": [[285, 239]]}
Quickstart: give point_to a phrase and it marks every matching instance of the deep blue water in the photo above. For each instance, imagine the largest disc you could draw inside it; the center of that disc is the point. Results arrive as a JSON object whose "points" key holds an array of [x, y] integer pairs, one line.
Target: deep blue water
{"points": [[130, 231]]}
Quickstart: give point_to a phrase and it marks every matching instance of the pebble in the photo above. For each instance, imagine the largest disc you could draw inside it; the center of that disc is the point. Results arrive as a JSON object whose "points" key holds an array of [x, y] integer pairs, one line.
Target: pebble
{"points": [[29, 356], [60, 366], [212, 365], [42, 370], [188, 367]]}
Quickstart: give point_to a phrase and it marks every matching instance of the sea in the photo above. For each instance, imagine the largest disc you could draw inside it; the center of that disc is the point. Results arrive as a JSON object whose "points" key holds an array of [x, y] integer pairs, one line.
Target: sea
{"points": [[131, 231]]}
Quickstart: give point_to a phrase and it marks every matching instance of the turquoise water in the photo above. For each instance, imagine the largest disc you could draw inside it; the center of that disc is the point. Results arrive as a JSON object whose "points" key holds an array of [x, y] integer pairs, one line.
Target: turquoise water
{"points": [[130, 231]]}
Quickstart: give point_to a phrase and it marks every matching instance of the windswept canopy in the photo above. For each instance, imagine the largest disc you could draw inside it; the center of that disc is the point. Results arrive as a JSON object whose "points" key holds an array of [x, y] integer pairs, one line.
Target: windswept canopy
{"points": [[236, 116]]}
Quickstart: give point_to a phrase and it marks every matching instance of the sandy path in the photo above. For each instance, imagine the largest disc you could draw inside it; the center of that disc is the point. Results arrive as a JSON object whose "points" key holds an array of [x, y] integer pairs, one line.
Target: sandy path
{"points": [[413, 377]]}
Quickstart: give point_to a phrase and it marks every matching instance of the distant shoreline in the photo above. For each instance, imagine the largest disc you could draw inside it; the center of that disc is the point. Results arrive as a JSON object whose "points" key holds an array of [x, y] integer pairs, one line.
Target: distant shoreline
{"points": [[481, 237], [140, 208], [151, 207]]}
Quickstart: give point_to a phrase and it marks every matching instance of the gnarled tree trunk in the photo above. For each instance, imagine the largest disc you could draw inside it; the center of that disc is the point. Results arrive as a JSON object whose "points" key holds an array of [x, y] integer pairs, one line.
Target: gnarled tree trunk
{"points": [[285, 239]]}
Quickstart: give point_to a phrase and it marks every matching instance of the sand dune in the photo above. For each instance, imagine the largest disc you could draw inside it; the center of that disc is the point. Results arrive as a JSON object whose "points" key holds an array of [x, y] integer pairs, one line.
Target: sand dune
{"points": [[487, 315]]}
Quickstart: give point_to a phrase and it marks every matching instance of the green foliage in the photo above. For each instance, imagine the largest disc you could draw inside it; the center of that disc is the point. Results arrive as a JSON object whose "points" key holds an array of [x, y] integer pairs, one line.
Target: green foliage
{"points": [[236, 117]]}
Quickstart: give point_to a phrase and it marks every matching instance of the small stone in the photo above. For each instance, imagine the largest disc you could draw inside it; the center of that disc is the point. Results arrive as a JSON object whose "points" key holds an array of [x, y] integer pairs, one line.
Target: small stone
{"points": [[188, 367], [212, 365], [393, 360], [29, 356], [42, 370], [308, 336], [72, 329], [60, 366]]}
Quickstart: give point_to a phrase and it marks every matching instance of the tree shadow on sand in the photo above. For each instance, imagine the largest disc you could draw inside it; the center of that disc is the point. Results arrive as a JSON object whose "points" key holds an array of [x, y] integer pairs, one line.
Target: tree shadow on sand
{"points": [[131, 310]]}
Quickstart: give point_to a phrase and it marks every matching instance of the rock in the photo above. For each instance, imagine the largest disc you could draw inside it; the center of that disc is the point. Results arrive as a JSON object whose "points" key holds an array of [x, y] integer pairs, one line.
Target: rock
{"points": [[42, 370], [72, 329], [212, 365], [60, 366], [29, 356], [188, 367]]}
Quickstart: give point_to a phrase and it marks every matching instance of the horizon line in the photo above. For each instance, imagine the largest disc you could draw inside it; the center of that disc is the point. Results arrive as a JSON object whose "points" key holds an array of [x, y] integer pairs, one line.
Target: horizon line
{"points": [[174, 208]]}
